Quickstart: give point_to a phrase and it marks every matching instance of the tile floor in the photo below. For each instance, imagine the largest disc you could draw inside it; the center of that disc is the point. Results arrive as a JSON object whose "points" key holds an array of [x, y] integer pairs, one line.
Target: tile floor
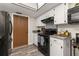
{"points": [[26, 51]]}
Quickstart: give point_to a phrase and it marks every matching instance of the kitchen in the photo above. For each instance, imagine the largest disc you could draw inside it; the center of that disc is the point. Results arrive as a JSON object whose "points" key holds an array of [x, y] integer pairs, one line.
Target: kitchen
{"points": [[57, 25], [61, 25]]}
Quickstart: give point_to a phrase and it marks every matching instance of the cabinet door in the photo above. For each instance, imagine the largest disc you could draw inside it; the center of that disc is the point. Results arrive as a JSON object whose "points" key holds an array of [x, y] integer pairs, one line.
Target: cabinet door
{"points": [[52, 52], [61, 14], [59, 47], [76, 52], [56, 47], [35, 40]]}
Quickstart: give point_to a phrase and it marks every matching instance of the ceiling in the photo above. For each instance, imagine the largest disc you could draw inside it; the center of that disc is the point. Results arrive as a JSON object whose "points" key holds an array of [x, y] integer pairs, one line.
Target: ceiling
{"points": [[35, 6], [30, 9]]}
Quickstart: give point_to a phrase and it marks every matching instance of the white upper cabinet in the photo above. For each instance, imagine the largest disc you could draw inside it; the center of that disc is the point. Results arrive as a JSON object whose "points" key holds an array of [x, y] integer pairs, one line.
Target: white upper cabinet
{"points": [[48, 14], [56, 47], [60, 14], [51, 13], [44, 16]]}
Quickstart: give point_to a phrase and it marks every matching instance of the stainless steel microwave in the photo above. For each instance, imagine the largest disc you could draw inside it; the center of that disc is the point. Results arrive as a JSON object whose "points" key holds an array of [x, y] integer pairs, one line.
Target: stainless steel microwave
{"points": [[73, 15]]}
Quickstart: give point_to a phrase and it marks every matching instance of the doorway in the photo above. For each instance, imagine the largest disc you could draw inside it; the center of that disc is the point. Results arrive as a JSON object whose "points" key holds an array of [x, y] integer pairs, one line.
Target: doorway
{"points": [[20, 31]]}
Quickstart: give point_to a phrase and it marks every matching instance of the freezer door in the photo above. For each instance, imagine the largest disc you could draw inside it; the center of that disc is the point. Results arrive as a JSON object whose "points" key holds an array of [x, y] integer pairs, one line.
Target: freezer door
{"points": [[2, 24], [3, 34]]}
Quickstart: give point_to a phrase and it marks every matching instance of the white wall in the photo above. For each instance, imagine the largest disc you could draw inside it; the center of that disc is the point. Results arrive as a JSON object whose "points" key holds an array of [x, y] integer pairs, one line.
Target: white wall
{"points": [[49, 25], [31, 27], [73, 28], [38, 22]]}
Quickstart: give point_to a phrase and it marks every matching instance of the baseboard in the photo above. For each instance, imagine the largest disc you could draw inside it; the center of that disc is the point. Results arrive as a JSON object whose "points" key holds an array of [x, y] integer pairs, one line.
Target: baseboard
{"points": [[35, 45], [20, 47]]}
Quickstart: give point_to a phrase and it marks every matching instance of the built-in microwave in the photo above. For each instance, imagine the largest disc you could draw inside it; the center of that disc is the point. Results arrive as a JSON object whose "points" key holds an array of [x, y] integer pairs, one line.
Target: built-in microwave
{"points": [[73, 15]]}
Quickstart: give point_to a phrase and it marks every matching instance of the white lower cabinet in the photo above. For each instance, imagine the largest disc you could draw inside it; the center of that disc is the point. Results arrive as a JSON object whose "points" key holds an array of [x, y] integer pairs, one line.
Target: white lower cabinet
{"points": [[35, 39], [76, 52], [56, 48], [59, 47]]}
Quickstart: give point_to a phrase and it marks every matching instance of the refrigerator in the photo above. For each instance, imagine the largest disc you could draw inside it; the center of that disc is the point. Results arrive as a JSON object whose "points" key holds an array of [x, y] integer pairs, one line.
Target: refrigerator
{"points": [[5, 33]]}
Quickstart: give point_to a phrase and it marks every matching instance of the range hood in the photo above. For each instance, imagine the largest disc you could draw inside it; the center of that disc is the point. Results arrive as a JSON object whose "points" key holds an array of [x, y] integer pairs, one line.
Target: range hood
{"points": [[48, 20]]}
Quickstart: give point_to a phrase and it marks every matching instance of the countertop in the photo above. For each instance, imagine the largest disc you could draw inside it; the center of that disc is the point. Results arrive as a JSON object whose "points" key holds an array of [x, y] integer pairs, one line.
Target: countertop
{"points": [[59, 37], [75, 45]]}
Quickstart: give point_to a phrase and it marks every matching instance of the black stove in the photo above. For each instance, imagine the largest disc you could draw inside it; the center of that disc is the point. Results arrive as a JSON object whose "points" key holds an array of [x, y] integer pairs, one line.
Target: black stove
{"points": [[44, 40]]}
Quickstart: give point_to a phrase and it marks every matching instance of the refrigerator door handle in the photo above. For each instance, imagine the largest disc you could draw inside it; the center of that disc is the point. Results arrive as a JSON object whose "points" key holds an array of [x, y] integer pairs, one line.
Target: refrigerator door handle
{"points": [[10, 28], [2, 36]]}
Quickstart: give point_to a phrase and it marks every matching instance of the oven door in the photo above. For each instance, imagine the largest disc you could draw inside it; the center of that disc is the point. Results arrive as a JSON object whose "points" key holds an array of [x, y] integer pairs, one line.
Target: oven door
{"points": [[43, 44]]}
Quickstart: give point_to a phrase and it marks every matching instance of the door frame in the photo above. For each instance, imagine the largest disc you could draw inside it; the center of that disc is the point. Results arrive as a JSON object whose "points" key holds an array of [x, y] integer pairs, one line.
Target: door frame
{"points": [[12, 20]]}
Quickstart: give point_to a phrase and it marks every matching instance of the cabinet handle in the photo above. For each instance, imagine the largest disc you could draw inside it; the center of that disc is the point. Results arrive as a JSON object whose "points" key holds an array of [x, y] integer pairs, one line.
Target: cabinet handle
{"points": [[50, 44], [61, 47], [64, 20]]}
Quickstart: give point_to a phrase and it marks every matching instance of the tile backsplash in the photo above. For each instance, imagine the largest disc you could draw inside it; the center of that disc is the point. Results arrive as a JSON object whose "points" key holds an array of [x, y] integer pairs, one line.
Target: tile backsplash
{"points": [[50, 25], [72, 28]]}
